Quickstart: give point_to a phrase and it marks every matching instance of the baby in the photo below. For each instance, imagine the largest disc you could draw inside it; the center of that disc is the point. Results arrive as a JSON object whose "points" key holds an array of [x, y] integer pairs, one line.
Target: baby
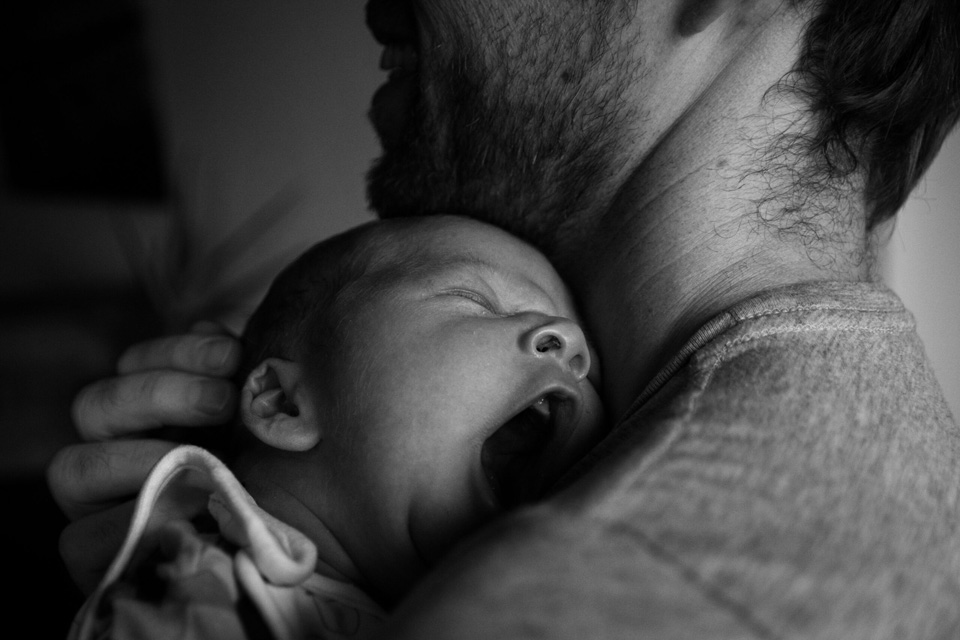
{"points": [[404, 382]]}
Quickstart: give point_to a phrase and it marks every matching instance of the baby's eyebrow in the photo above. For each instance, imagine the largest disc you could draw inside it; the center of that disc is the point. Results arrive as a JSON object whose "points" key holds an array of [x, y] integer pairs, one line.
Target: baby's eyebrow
{"points": [[468, 260], [431, 265]]}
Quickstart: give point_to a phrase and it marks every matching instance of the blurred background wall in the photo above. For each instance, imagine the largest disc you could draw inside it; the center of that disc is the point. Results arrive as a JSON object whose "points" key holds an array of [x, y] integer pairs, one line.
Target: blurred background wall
{"points": [[162, 159], [154, 155], [921, 262]]}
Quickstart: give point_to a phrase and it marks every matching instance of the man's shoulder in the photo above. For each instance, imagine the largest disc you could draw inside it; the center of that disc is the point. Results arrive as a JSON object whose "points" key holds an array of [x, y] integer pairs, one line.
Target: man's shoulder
{"points": [[800, 466]]}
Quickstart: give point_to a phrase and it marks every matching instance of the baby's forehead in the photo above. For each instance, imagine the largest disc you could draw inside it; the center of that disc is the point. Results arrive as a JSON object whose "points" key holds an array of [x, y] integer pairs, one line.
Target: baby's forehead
{"points": [[436, 245], [432, 249], [411, 262]]}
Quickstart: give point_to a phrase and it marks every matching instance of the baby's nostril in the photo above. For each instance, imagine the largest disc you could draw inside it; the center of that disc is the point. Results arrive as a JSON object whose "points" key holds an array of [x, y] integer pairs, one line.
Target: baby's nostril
{"points": [[548, 343], [578, 365]]}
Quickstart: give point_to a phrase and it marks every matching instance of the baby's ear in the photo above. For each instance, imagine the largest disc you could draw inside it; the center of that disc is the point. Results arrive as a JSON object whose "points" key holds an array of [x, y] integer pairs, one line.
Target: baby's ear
{"points": [[275, 406]]}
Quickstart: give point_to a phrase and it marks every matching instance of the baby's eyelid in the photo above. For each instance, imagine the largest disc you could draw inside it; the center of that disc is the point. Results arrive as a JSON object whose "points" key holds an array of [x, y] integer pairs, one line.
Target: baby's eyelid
{"points": [[475, 296]]}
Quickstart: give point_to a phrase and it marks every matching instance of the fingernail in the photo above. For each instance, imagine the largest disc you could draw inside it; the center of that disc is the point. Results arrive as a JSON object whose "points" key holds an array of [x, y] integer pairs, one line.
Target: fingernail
{"points": [[216, 352], [214, 396]]}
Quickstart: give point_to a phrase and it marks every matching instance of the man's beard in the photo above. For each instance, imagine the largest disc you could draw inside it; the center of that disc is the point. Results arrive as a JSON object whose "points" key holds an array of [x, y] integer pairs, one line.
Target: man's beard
{"points": [[527, 152]]}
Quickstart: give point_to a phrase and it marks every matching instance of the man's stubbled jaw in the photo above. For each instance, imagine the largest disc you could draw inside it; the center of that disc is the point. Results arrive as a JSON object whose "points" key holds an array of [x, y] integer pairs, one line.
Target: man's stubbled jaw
{"points": [[491, 115]]}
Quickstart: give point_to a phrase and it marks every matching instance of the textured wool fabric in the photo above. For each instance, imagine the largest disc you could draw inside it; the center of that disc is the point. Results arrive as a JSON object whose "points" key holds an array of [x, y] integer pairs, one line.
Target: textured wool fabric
{"points": [[793, 473]]}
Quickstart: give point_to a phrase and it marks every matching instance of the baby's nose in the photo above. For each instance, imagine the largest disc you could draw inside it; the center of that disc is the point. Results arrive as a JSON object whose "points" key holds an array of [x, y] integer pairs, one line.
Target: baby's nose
{"points": [[562, 339]]}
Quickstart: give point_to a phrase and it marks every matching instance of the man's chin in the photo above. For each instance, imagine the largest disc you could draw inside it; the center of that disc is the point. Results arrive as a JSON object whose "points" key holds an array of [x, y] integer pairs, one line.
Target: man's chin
{"points": [[393, 186]]}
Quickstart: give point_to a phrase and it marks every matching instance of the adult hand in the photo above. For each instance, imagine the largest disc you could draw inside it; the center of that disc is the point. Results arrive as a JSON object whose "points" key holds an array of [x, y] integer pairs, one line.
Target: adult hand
{"points": [[178, 381]]}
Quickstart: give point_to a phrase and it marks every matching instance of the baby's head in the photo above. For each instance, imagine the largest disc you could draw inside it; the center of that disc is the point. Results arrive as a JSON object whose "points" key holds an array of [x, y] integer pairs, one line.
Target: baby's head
{"points": [[405, 382]]}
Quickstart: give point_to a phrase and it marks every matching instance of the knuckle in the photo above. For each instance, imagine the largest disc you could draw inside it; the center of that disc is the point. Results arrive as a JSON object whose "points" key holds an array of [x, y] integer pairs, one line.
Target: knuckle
{"points": [[97, 406], [78, 465], [141, 398], [58, 480], [111, 396], [70, 470], [80, 409], [187, 352], [152, 390]]}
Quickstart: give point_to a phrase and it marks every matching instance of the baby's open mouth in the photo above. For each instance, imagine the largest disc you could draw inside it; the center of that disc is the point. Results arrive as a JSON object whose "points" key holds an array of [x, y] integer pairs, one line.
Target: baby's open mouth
{"points": [[514, 458]]}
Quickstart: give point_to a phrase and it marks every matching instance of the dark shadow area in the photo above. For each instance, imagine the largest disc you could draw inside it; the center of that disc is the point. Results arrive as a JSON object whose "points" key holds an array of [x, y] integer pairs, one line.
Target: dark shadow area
{"points": [[78, 133], [39, 591], [50, 346], [75, 111]]}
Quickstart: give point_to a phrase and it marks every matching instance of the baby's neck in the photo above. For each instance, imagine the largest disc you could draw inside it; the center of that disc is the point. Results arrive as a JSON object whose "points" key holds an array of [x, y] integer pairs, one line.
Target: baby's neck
{"points": [[266, 481]]}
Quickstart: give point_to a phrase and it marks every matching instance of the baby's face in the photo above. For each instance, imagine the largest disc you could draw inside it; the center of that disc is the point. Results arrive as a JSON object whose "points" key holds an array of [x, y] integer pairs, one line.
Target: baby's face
{"points": [[473, 389]]}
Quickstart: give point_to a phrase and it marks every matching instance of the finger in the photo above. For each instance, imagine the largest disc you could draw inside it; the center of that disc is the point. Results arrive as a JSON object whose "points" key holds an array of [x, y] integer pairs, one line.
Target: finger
{"points": [[136, 402], [91, 477], [211, 354], [87, 546]]}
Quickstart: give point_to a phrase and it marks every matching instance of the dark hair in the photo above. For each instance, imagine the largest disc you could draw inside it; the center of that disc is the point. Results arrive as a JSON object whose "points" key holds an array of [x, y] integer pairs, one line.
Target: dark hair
{"points": [[303, 310], [882, 78], [306, 311], [300, 318], [298, 311]]}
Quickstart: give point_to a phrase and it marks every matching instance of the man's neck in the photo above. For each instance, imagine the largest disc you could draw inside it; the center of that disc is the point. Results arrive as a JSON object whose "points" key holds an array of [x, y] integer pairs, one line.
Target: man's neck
{"points": [[688, 234]]}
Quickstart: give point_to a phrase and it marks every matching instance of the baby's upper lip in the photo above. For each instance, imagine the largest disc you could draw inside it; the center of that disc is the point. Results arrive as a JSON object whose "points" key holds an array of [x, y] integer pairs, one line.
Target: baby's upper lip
{"points": [[392, 22], [565, 403]]}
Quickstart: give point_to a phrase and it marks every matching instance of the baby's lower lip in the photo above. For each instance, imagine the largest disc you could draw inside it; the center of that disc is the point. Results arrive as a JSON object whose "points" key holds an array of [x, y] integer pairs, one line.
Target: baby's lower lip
{"points": [[392, 105]]}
